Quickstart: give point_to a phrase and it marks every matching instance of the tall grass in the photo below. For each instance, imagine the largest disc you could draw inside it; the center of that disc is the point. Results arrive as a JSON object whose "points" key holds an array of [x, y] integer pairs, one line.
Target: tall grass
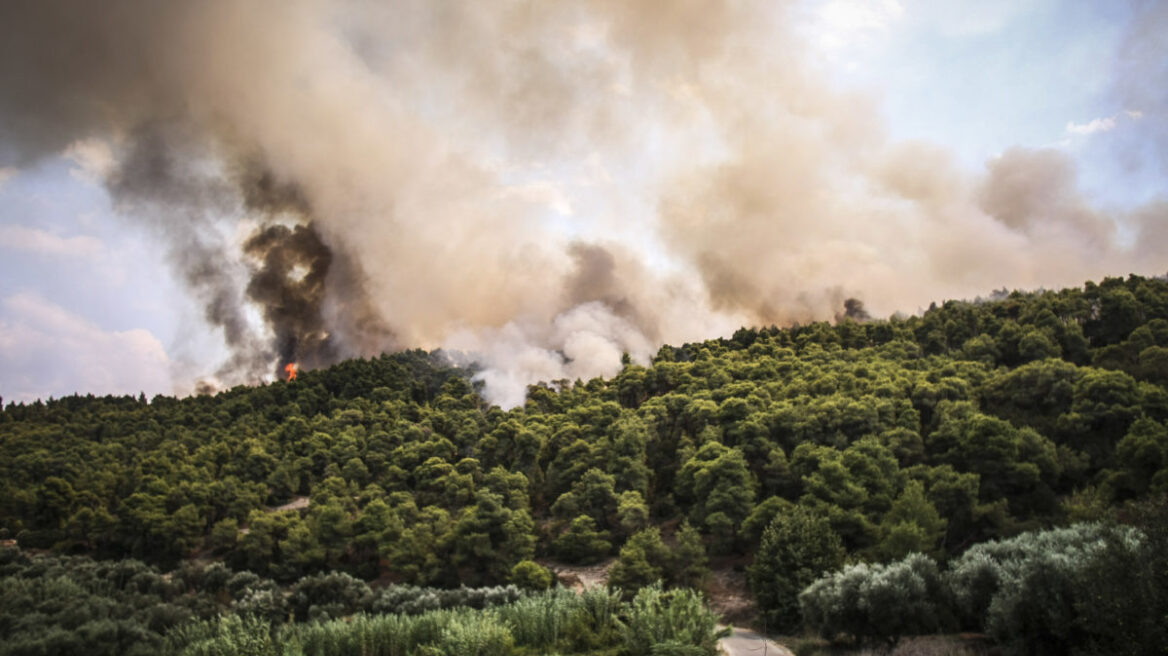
{"points": [[227, 635], [556, 621], [540, 620], [675, 623]]}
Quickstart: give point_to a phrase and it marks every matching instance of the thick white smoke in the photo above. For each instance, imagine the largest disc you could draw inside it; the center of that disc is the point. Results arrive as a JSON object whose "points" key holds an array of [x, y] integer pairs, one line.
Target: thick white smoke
{"points": [[548, 185]]}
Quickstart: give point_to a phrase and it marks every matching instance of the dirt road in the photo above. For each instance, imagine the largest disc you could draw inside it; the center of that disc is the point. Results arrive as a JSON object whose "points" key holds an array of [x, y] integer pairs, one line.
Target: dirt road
{"points": [[743, 642]]}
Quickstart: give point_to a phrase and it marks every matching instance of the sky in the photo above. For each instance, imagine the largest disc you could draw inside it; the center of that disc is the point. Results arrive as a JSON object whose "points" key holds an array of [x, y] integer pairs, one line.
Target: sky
{"points": [[190, 198]]}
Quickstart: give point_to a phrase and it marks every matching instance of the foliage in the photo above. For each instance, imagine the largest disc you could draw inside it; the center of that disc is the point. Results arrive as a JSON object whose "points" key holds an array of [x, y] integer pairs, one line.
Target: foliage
{"points": [[797, 548], [1088, 588], [673, 622], [582, 542], [879, 602], [643, 561], [975, 420], [530, 575], [58, 603], [556, 621], [1042, 591]]}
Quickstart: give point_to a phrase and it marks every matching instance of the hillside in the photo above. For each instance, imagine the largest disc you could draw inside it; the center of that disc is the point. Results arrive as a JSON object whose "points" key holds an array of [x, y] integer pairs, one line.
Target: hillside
{"points": [[927, 434]]}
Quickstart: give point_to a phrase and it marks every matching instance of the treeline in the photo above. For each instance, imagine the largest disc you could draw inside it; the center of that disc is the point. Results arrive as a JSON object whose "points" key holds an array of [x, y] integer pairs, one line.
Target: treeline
{"points": [[930, 434]]}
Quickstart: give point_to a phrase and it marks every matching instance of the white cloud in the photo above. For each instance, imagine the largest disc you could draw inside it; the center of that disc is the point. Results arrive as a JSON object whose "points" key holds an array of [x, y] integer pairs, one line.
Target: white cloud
{"points": [[46, 350], [6, 174], [42, 242], [94, 159], [840, 24], [1105, 124]]}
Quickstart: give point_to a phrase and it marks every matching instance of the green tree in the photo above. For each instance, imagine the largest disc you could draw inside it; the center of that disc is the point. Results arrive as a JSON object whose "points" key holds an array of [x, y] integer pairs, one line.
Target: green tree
{"points": [[1142, 461], [583, 542], [1016, 464], [530, 575], [592, 495], [632, 513], [643, 560], [912, 525], [796, 549], [1105, 404], [688, 564], [223, 535], [332, 526], [718, 483], [490, 538], [762, 516], [1037, 345], [421, 554], [673, 622]]}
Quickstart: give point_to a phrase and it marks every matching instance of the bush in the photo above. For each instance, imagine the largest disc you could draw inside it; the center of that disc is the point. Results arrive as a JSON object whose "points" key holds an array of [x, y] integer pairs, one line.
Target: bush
{"points": [[229, 635], [413, 600], [540, 620], [1055, 591], [477, 634], [881, 602], [673, 622], [328, 596], [530, 575]]}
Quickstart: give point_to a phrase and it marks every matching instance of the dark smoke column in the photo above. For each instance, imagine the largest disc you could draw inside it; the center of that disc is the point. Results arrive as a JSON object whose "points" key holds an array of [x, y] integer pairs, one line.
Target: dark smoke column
{"points": [[289, 288]]}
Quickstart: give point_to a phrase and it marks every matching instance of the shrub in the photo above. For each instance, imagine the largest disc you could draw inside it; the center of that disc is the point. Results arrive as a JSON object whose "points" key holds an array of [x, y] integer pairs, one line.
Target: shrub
{"points": [[478, 634], [1055, 591], [413, 600], [673, 622], [530, 575], [881, 602], [326, 596], [228, 635], [540, 620]]}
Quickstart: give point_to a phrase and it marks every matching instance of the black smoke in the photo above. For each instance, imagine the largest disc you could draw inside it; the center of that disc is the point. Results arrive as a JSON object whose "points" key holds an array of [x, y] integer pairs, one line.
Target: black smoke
{"points": [[167, 181], [288, 286]]}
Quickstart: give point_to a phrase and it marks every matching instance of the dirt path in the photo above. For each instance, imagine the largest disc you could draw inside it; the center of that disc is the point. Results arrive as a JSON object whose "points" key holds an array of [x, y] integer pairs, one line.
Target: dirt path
{"points": [[730, 597], [579, 577], [297, 503]]}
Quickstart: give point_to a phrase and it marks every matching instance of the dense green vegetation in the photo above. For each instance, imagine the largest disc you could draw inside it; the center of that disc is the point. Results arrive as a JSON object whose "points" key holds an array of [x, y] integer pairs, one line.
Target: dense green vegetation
{"points": [[1088, 589], [864, 441], [71, 605], [558, 621]]}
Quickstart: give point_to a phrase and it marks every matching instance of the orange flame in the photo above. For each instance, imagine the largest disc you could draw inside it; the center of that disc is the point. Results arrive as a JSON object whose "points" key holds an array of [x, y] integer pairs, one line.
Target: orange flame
{"points": [[291, 369]]}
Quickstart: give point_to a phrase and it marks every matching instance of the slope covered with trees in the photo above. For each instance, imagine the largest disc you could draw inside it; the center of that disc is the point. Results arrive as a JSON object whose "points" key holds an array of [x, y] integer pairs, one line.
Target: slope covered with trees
{"points": [[797, 448]]}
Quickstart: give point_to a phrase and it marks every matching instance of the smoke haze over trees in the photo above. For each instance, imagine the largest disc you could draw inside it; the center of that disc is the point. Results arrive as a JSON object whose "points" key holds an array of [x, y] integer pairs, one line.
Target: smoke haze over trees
{"points": [[547, 186]]}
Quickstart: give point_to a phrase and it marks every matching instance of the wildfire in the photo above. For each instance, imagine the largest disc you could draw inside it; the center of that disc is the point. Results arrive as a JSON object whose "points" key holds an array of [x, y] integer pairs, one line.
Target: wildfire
{"points": [[291, 369]]}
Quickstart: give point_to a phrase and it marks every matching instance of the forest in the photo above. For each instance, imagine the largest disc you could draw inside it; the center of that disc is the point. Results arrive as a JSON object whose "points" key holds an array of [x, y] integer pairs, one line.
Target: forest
{"points": [[997, 466]]}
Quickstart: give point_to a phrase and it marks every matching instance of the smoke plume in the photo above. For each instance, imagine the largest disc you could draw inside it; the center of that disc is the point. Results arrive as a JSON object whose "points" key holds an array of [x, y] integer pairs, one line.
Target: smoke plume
{"points": [[550, 186]]}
